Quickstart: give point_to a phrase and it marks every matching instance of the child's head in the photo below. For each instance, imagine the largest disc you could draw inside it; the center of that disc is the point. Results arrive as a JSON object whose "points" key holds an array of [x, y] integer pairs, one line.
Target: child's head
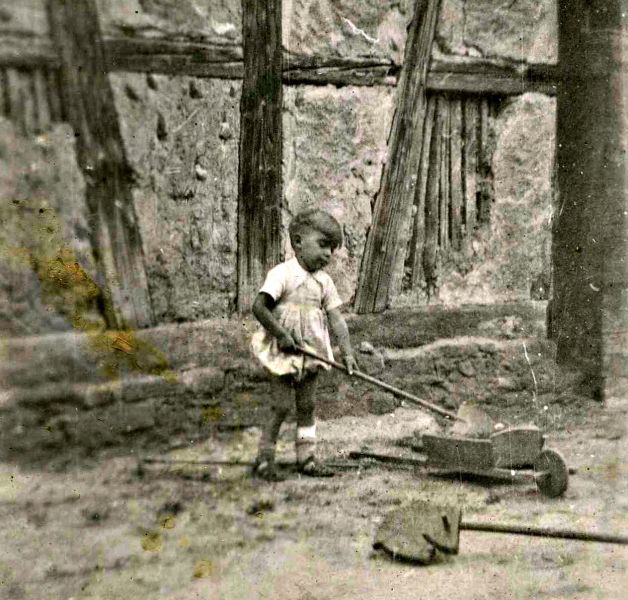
{"points": [[314, 235]]}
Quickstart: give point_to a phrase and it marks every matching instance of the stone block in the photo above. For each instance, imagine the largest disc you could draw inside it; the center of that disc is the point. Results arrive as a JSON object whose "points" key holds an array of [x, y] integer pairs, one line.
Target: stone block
{"points": [[525, 30], [371, 364], [347, 28], [380, 402], [207, 381], [205, 20]]}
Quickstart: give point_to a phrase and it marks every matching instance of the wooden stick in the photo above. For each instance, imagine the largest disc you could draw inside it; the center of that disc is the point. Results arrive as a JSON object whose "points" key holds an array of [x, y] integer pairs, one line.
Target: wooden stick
{"points": [[382, 384], [548, 532]]}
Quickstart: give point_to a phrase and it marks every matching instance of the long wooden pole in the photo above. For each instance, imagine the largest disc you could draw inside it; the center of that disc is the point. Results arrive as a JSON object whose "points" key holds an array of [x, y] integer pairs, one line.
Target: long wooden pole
{"points": [[386, 386], [546, 532]]}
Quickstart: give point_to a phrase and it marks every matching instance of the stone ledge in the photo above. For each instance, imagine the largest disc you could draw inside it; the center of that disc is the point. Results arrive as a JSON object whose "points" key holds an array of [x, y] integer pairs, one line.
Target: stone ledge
{"points": [[224, 343], [195, 382]]}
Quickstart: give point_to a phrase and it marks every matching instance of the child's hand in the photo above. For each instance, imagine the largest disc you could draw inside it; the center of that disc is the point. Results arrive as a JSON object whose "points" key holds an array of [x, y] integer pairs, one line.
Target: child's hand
{"points": [[287, 343], [350, 363]]}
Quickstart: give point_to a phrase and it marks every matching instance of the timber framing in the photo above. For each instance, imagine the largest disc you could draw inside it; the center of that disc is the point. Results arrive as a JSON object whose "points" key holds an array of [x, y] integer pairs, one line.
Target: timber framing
{"points": [[167, 56], [260, 182], [90, 109], [382, 262]]}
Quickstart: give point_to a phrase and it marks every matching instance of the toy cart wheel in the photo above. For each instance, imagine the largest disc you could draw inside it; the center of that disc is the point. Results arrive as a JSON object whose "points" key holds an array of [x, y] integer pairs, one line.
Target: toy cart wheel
{"points": [[551, 473]]}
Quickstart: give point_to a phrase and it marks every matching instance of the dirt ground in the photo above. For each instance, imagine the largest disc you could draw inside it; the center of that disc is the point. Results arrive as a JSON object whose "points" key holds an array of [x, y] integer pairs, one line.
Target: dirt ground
{"points": [[103, 531]]}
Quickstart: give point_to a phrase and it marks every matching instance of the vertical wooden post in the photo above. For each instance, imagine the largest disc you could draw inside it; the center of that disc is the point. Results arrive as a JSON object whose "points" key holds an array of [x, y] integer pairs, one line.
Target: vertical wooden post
{"points": [[418, 241], [89, 105], [445, 173], [261, 141], [589, 313], [382, 254], [430, 248], [470, 164], [456, 174]]}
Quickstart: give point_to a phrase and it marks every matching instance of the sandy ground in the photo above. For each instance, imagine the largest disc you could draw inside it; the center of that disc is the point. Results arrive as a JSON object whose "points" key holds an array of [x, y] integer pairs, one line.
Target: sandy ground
{"points": [[204, 532]]}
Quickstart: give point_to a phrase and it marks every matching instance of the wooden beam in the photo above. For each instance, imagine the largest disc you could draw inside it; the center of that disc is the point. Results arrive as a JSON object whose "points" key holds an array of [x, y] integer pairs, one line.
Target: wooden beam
{"points": [[492, 77], [173, 57], [89, 106], [394, 201], [22, 51], [261, 144]]}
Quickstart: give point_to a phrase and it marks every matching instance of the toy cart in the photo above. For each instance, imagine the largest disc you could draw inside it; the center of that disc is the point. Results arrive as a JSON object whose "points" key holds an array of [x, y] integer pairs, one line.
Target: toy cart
{"points": [[514, 454]]}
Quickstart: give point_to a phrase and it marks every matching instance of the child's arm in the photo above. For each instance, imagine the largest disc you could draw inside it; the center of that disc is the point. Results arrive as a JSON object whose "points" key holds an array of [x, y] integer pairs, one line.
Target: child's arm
{"points": [[262, 309], [339, 328]]}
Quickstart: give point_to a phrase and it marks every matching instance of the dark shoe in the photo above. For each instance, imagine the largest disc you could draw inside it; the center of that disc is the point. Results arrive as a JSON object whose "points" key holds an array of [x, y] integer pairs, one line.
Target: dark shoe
{"points": [[265, 469], [312, 468]]}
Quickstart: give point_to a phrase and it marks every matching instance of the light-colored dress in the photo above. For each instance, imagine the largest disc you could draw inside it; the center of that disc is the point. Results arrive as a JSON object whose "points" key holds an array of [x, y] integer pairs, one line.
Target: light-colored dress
{"points": [[302, 300]]}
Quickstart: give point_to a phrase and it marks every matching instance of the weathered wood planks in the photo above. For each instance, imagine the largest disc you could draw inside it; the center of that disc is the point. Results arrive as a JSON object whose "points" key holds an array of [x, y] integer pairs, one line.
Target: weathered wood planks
{"points": [[394, 201], [455, 187], [261, 146], [89, 106]]}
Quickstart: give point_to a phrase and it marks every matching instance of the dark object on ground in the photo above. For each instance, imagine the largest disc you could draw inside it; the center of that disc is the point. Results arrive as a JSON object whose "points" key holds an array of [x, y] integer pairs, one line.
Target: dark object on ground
{"points": [[418, 532], [476, 457], [485, 459], [312, 468]]}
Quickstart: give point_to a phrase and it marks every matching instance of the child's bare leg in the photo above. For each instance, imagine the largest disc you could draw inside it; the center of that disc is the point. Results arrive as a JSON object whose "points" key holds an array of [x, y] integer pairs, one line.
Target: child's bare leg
{"points": [[306, 427], [281, 389]]}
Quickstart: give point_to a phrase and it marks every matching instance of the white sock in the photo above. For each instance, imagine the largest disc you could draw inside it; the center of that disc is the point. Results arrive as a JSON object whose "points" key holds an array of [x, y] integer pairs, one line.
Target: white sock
{"points": [[306, 443]]}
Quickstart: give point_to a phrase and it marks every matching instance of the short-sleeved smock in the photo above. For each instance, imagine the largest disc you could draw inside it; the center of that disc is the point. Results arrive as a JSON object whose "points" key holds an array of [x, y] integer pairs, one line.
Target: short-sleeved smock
{"points": [[302, 299]]}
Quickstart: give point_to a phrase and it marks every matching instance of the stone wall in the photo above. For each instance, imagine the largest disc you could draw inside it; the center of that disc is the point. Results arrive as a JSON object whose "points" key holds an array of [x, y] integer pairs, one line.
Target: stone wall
{"points": [[524, 30], [510, 257], [181, 139], [70, 394], [334, 148], [47, 276], [181, 135]]}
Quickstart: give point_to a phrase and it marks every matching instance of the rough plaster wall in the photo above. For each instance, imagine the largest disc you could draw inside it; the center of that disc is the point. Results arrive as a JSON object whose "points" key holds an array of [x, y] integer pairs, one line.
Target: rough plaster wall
{"points": [[24, 17], [181, 135], [43, 230], [334, 148], [206, 20], [510, 259], [523, 30], [348, 28]]}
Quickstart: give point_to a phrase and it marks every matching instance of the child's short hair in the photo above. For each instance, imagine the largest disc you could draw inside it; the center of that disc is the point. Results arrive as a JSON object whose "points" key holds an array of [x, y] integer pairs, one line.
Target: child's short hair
{"points": [[320, 220]]}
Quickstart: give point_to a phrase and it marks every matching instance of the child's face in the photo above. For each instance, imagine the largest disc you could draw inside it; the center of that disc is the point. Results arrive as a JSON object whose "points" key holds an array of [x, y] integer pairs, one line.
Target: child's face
{"points": [[313, 249]]}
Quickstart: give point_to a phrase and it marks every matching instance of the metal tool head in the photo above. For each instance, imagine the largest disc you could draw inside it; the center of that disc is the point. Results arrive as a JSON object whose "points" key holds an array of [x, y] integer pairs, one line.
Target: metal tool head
{"points": [[416, 532], [474, 422]]}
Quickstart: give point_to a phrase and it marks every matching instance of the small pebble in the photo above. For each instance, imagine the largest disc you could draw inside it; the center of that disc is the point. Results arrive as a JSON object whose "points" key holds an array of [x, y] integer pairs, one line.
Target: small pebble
{"points": [[201, 173], [367, 348]]}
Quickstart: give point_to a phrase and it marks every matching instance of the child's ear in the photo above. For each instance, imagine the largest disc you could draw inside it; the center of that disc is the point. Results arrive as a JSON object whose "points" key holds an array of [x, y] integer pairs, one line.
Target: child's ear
{"points": [[297, 241]]}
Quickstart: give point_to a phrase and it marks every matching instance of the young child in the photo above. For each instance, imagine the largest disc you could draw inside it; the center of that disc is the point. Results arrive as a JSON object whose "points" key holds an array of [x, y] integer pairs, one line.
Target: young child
{"points": [[295, 305]]}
